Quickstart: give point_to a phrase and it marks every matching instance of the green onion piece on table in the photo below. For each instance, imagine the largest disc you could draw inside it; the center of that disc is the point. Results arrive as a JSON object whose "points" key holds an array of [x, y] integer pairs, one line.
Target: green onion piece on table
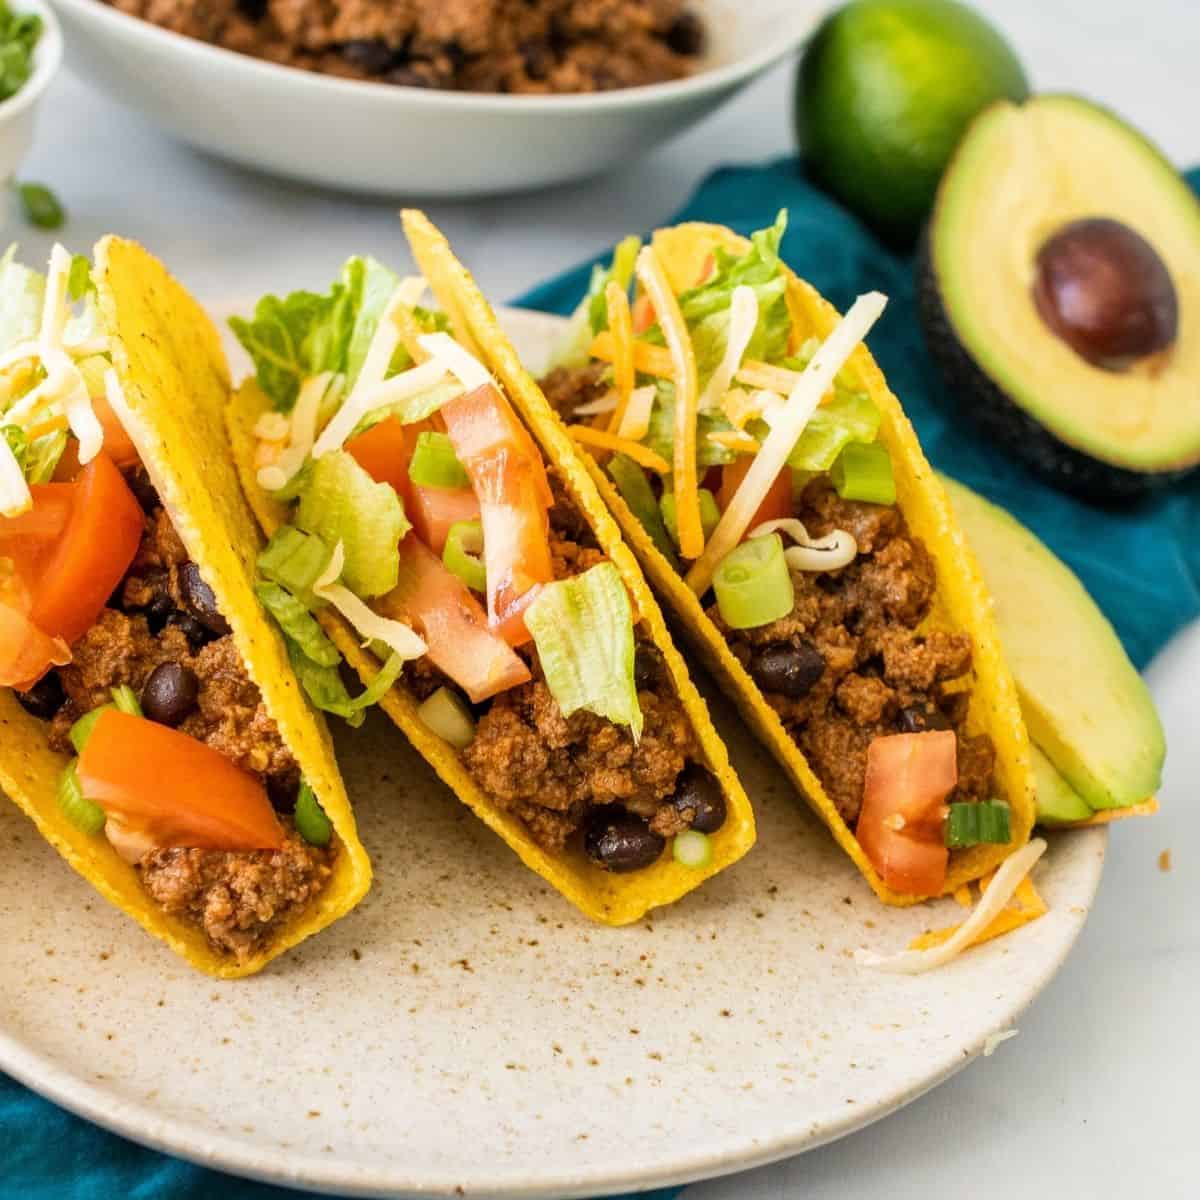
{"points": [[863, 471], [82, 813], [126, 701], [82, 729], [710, 514], [753, 584], [692, 849], [461, 554], [311, 822], [446, 715], [434, 463], [635, 490], [42, 206], [972, 824]]}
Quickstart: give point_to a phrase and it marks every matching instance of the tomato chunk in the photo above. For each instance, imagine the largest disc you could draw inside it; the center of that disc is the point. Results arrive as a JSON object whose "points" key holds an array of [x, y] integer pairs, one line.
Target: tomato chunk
{"points": [[509, 480], [777, 503], [94, 551], [385, 451], [909, 776], [117, 443], [26, 653], [445, 612], [433, 510], [28, 538], [173, 789]]}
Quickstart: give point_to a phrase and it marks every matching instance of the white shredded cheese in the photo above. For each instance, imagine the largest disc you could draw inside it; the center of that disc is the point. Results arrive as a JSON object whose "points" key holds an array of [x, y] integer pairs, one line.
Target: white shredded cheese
{"points": [[300, 431], [84, 423], [272, 427], [369, 625], [460, 363], [993, 1040], [411, 290], [743, 318], [829, 553], [598, 407], [21, 352], [993, 901], [635, 424], [785, 432], [15, 496]]}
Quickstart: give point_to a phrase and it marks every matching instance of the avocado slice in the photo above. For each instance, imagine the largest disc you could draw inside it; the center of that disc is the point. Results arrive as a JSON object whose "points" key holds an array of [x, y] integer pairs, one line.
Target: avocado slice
{"points": [[1057, 802], [1023, 177], [1086, 706]]}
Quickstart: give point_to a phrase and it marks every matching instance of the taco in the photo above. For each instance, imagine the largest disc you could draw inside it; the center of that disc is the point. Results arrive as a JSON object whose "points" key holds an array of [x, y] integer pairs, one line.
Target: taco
{"points": [[460, 558], [777, 496], [150, 722]]}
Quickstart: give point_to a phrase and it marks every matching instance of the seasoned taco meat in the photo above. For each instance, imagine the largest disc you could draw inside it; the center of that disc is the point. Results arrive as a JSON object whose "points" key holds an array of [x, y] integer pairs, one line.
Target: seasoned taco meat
{"points": [[238, 899], [526, 46]]}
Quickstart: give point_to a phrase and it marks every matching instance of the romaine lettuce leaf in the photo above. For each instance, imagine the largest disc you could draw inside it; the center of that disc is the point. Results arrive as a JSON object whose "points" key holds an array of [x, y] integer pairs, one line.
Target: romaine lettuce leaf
{"points": [[583, 629], [324, 686], [848, 417], [342, 503], [661, 435], [21, 295], [591, 316], [298, 624]]}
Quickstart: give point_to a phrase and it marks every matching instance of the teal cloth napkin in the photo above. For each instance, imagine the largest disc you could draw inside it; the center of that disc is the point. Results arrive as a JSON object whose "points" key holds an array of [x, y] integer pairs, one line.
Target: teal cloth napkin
{"points": [[1141, 563]]}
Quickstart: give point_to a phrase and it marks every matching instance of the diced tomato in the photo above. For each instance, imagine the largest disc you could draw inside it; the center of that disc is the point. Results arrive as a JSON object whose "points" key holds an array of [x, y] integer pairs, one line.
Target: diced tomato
{"points": [[444, 611], [28, 538], [94, 551], [433, 510], [117, 443], [777, 503], [385, 451], [173, 788], [643, 314], [909, 776], [26, 653], [509, 479]]}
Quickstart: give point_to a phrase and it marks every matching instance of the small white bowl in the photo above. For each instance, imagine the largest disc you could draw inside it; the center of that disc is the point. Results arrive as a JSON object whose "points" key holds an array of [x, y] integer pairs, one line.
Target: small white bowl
{"points": [[376, 137], [18, 113]]}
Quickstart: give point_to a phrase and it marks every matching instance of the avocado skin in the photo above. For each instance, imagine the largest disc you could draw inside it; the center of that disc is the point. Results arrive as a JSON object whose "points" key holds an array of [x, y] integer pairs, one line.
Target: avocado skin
{"points": [[1003, 421]]}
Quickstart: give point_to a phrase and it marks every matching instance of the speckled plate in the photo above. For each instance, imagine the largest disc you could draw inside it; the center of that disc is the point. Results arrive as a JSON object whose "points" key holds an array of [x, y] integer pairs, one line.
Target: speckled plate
{"points": [[466, 1031]]}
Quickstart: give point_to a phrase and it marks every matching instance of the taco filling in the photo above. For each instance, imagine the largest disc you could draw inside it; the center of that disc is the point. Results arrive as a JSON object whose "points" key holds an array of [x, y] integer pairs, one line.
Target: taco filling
{"points": [[751, 458], [412, 502], [113, 639]]}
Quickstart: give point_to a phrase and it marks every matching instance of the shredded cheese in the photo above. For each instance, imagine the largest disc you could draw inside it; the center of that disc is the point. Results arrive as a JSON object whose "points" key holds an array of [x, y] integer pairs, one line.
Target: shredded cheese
{"points": [[620, 322], [995, 1040], [735, 440], [456, 361], [585, 435], [743, 319], [369, 625], [272, 427], [654, 280], [299, 434], [601, 406], [990, 909], [829, 553], [15, 496], [785, 432], [636, 422]]}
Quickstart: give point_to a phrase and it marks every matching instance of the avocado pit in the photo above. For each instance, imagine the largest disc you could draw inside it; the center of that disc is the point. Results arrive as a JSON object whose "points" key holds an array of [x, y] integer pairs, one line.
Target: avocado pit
{"points": [[1105, 291]]}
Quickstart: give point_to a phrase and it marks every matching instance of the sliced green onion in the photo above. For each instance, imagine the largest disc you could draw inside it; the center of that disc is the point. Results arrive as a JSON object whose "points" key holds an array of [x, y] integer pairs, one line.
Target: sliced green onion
{"points": [[84, 814], [971, 824], [434, 463], [710, 514], [464, 545], [635, 490], [42, 207], [446, 715], [82, 729], [863, 471], [126, 701], [294, 560], [311, 822], [753, 584], [692, 848]]}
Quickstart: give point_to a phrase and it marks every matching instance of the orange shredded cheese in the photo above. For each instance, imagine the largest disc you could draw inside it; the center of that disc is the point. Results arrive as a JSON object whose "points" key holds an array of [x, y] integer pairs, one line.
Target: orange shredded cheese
{"points": [[1026, 905], [585, 435], [620, 323], [735, 440]]}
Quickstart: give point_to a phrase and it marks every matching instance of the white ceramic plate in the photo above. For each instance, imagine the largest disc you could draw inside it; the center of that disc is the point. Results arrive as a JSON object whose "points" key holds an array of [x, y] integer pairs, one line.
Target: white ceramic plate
{"points": [[374, 137], [465, 1030]]}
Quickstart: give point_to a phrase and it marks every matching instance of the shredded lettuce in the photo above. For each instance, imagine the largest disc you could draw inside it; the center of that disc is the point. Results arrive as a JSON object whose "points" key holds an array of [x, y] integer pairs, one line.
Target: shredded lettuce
{"points": [[661, 436], [342, 503], [42, 455], [848, 417], [295, 561], [324, 686], [79, 281], [298, 624], [591, 316], [21, 295], [583, 629]]}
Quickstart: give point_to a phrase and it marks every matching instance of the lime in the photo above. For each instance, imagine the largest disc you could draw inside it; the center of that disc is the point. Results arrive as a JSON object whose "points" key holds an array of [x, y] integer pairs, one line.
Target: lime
{"points": [[885, 90]]}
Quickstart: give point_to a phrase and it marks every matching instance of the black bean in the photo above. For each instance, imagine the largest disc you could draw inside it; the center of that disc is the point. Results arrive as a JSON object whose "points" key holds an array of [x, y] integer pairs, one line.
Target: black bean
{"points": [[282, 791], [687, 35], [372, 55], [142, 489], [617, 841], [252, 10], [200, 601], [170, 693], [922, 718], [195, 633], [788, 669], [413, 77], [646, 669], [45, 698], [698, 792]]}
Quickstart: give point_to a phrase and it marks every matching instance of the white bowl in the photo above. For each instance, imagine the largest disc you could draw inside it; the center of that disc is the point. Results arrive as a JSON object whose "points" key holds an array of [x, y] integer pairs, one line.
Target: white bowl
{"points": [[18, 113], [376, 137]]}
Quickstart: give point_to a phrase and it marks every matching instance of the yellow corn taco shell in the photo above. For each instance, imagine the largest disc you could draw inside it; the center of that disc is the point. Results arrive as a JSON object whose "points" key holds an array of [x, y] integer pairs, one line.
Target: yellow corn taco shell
{"points": [[961, 602], [174, 376], [601, 895]]}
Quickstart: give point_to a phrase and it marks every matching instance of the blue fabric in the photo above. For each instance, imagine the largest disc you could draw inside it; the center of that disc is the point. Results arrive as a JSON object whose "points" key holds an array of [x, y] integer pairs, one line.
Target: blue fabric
{"points": [[1141, 563]]}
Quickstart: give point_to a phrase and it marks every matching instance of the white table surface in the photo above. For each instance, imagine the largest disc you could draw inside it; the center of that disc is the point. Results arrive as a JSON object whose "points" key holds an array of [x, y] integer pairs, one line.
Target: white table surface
{"points": [[1096, 1098]]}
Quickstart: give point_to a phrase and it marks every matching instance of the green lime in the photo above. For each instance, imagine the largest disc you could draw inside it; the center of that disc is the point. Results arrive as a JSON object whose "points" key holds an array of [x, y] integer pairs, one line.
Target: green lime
{"points": [[885, 90]]}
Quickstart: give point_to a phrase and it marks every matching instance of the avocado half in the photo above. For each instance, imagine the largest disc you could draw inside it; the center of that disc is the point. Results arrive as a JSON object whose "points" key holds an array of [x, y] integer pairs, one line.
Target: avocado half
{"points": [[1021, 175], [1087, 709]]}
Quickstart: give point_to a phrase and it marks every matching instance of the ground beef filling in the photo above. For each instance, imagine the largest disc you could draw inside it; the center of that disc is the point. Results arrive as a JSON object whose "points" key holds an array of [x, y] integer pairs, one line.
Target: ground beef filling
{"points": [[520, 46], [868, 672], [163, 613], [551, 770]]}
